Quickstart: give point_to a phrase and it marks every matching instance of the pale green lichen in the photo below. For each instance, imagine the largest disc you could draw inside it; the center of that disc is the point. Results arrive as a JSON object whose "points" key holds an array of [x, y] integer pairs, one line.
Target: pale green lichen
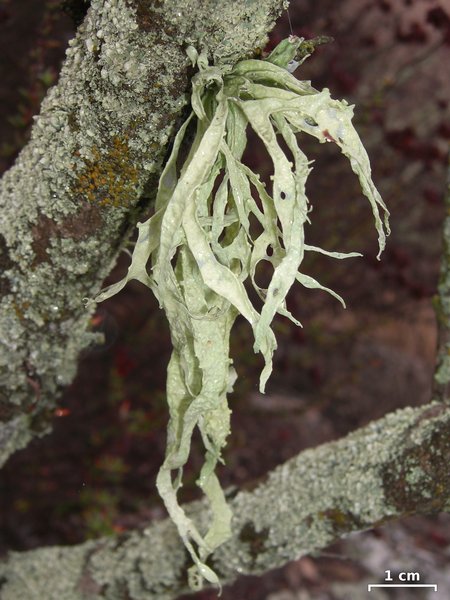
{"points": [[100, 135], [14, 435], [42, 318], [298, 503], [24, 574], [200, 250]]}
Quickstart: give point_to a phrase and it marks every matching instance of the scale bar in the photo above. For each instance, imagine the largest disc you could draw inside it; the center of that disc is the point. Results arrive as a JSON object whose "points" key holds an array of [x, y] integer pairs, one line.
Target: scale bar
{"points": [[402, 585]]}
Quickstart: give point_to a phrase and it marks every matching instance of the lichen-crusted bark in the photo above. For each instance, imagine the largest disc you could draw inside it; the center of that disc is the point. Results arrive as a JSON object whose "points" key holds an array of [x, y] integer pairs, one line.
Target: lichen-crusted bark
{"points": [[66, 204], [393, 467], [442, 305]]}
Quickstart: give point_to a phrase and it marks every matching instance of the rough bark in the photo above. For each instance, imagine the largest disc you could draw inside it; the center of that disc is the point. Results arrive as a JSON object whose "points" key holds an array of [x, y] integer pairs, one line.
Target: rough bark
{"points": [[67, 203], [394, 467], [442, 306]]}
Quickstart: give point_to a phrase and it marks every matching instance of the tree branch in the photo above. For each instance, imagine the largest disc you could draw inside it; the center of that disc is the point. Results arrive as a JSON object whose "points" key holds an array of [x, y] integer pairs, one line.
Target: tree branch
{"points": [[442, 308], [97, 145], [394, 467]]}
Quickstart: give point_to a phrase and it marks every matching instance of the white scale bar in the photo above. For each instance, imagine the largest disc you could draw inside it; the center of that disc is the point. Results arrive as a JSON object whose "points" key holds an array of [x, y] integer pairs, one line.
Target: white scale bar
{"points": [[401, 585]]}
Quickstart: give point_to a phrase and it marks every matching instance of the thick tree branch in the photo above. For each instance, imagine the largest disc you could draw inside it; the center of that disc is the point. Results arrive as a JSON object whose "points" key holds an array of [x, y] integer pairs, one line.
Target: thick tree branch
{"points": [[394, 467], [67, 203]]}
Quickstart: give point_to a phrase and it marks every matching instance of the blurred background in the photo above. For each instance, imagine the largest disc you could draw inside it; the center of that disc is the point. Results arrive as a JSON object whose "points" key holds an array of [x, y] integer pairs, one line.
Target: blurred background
{"points": [[95, 475]]}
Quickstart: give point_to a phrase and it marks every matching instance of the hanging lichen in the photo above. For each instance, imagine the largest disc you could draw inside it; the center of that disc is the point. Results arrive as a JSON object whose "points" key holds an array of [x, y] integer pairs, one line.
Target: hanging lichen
{"points": [[197, 251]]}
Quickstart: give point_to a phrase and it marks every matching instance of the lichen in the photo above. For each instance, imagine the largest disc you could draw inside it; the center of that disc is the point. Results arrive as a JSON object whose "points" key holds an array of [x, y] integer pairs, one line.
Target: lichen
{"points": [[348, 485], [99, 138], [25, 579], [302, 506], [422, 477], [442, 306], [110, 177], [197, 251]]}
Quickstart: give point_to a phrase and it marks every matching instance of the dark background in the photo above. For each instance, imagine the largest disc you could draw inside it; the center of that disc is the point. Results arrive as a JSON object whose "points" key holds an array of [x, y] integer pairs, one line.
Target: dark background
{"points": [[95, 475]]}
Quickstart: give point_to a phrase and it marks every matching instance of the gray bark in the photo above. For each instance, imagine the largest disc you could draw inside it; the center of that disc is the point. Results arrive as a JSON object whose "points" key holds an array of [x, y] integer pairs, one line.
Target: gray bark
{"points": [[68, 202], [393, 467], [442, 307]]}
